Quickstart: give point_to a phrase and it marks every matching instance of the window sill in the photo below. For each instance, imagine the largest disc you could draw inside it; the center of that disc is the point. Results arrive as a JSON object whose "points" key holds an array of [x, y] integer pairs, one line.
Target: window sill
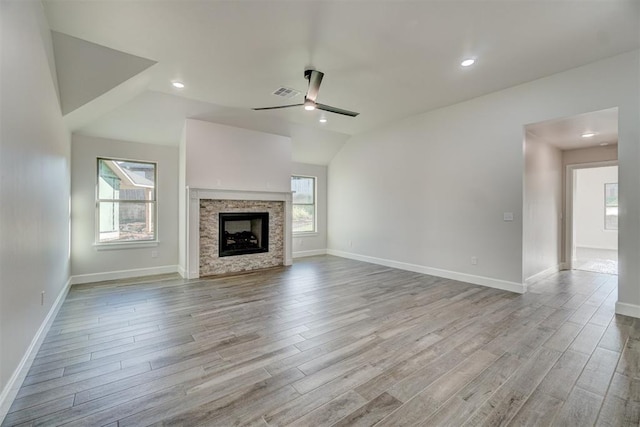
{"points": [[305, 234], [125, 245]]}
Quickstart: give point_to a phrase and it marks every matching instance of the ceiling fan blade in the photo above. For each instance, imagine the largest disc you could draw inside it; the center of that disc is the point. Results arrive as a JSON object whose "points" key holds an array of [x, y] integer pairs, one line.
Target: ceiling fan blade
{"points": [[336, 110], [315, 78], [278, 107]]}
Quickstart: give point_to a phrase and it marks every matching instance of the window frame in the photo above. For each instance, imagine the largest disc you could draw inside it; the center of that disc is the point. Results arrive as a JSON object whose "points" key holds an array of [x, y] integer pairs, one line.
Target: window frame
{"points": [[123, 244], [606, 205], [314, 204]]}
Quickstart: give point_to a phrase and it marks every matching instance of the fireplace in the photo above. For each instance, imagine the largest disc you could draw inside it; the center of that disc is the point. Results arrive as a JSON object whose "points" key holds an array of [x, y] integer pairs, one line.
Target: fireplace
{"points": [[242, 233], [203, 228]]}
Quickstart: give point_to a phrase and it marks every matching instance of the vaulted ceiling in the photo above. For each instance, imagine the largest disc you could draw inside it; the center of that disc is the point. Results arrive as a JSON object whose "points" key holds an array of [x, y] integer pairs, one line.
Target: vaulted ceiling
{"points": [[385, 59]]}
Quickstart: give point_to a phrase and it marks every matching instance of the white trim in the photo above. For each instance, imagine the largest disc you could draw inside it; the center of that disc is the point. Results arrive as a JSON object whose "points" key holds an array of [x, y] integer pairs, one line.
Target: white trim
{"points": [[302, 254], [125, 245], [15, 381], [122, 274], [182, 272], [97, 243], [315, 206], [625, 309], [541, 275], [599, 248], [303, 234], [453, 275]]}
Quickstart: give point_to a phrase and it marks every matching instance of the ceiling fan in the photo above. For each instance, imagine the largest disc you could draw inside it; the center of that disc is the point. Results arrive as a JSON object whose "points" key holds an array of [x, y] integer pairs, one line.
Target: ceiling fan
{"points": [[315, 78]]}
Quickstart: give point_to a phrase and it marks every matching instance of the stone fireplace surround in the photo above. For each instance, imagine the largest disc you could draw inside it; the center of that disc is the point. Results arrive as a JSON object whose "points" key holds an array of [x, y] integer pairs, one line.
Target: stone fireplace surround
{"points": [[235, 200]]}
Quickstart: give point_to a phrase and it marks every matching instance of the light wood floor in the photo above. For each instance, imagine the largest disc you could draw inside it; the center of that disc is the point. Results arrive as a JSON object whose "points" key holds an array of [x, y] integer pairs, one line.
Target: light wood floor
{"points": [[332, 341]]}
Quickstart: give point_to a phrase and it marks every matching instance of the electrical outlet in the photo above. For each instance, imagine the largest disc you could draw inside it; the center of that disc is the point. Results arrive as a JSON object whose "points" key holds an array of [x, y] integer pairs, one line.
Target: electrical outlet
{"points": [[154, 254], [42, 298], [474, 260]]}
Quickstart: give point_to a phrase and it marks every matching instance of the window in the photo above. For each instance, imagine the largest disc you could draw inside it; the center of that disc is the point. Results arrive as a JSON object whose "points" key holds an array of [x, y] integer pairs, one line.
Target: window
{"points": [[304, 204], [125, 201], [611, 206]]}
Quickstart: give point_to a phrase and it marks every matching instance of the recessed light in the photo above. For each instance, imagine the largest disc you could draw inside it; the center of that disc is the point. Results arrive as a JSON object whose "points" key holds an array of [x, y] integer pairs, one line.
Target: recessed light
{"points": [[178, 85], [323, 120], [588, 134], [468, 62]]}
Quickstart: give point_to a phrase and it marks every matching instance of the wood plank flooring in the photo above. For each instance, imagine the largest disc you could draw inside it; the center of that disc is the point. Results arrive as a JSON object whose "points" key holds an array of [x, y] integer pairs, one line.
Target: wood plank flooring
{"points": [[332, 341]]}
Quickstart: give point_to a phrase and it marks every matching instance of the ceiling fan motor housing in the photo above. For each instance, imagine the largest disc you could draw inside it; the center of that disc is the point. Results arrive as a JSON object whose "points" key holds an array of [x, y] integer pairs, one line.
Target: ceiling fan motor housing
{"points": [[315, 79]]}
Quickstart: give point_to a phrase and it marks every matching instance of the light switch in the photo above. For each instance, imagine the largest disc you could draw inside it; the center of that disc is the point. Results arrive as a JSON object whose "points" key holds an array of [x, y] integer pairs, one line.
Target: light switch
{"points": [[508, 216]]}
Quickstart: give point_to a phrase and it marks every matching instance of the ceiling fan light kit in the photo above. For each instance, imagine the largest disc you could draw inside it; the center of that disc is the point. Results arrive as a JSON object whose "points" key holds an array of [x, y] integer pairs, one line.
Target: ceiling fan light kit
{"points": [[309, 105], [315, 78]]}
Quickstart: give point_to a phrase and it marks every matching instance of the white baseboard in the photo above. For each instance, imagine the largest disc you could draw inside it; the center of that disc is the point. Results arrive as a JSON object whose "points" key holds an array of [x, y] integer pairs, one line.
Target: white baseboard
{"points": [[122, 274], [541, 275], [302, 254], [598, 248], [15, 381], [625, 309], [182, 272], [453, 275]]}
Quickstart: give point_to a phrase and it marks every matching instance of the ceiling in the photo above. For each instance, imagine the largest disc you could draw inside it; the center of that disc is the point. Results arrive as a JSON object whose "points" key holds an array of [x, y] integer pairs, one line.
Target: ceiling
{"points": [[385, 59], [566, 133]]}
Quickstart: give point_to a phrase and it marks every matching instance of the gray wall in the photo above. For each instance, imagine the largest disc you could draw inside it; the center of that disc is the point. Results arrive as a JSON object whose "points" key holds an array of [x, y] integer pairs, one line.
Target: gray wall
{"points": [[34, 189], [86, 260]]}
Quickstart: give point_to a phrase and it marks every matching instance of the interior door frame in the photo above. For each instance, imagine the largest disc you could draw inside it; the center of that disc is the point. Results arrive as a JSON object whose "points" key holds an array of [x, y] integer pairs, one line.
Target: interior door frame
{"points": [[570, 194]]}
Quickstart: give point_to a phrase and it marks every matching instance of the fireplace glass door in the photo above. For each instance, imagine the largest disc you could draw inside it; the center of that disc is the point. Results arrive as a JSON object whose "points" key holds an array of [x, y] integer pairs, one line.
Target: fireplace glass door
{"points": [[243, 233]]}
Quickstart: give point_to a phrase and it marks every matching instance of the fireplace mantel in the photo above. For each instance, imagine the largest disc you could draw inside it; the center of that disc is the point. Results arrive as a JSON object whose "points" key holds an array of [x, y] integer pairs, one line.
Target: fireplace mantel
{"points": [[194, 195]]}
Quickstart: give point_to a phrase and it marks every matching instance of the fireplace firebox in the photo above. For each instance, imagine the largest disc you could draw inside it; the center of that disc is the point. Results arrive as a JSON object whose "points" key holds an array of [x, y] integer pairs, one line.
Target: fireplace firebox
{"points": [[243, 233]]}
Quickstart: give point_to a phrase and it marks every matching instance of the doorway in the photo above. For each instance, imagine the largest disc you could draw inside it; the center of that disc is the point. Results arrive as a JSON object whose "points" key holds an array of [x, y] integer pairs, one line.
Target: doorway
{"points": [[558, 155], [595, 219]]}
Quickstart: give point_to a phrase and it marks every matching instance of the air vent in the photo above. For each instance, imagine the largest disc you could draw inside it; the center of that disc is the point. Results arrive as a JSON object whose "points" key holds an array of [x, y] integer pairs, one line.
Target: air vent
{"points": [[286, 92]]}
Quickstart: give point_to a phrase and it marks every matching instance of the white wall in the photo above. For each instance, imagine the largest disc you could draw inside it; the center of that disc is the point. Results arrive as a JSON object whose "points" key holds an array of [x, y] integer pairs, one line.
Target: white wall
{"points": [[430, 191], [590, 155], [313, 243], [226, 157], [90, 264], [542, 224], [34, 185], [588, 208]]}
